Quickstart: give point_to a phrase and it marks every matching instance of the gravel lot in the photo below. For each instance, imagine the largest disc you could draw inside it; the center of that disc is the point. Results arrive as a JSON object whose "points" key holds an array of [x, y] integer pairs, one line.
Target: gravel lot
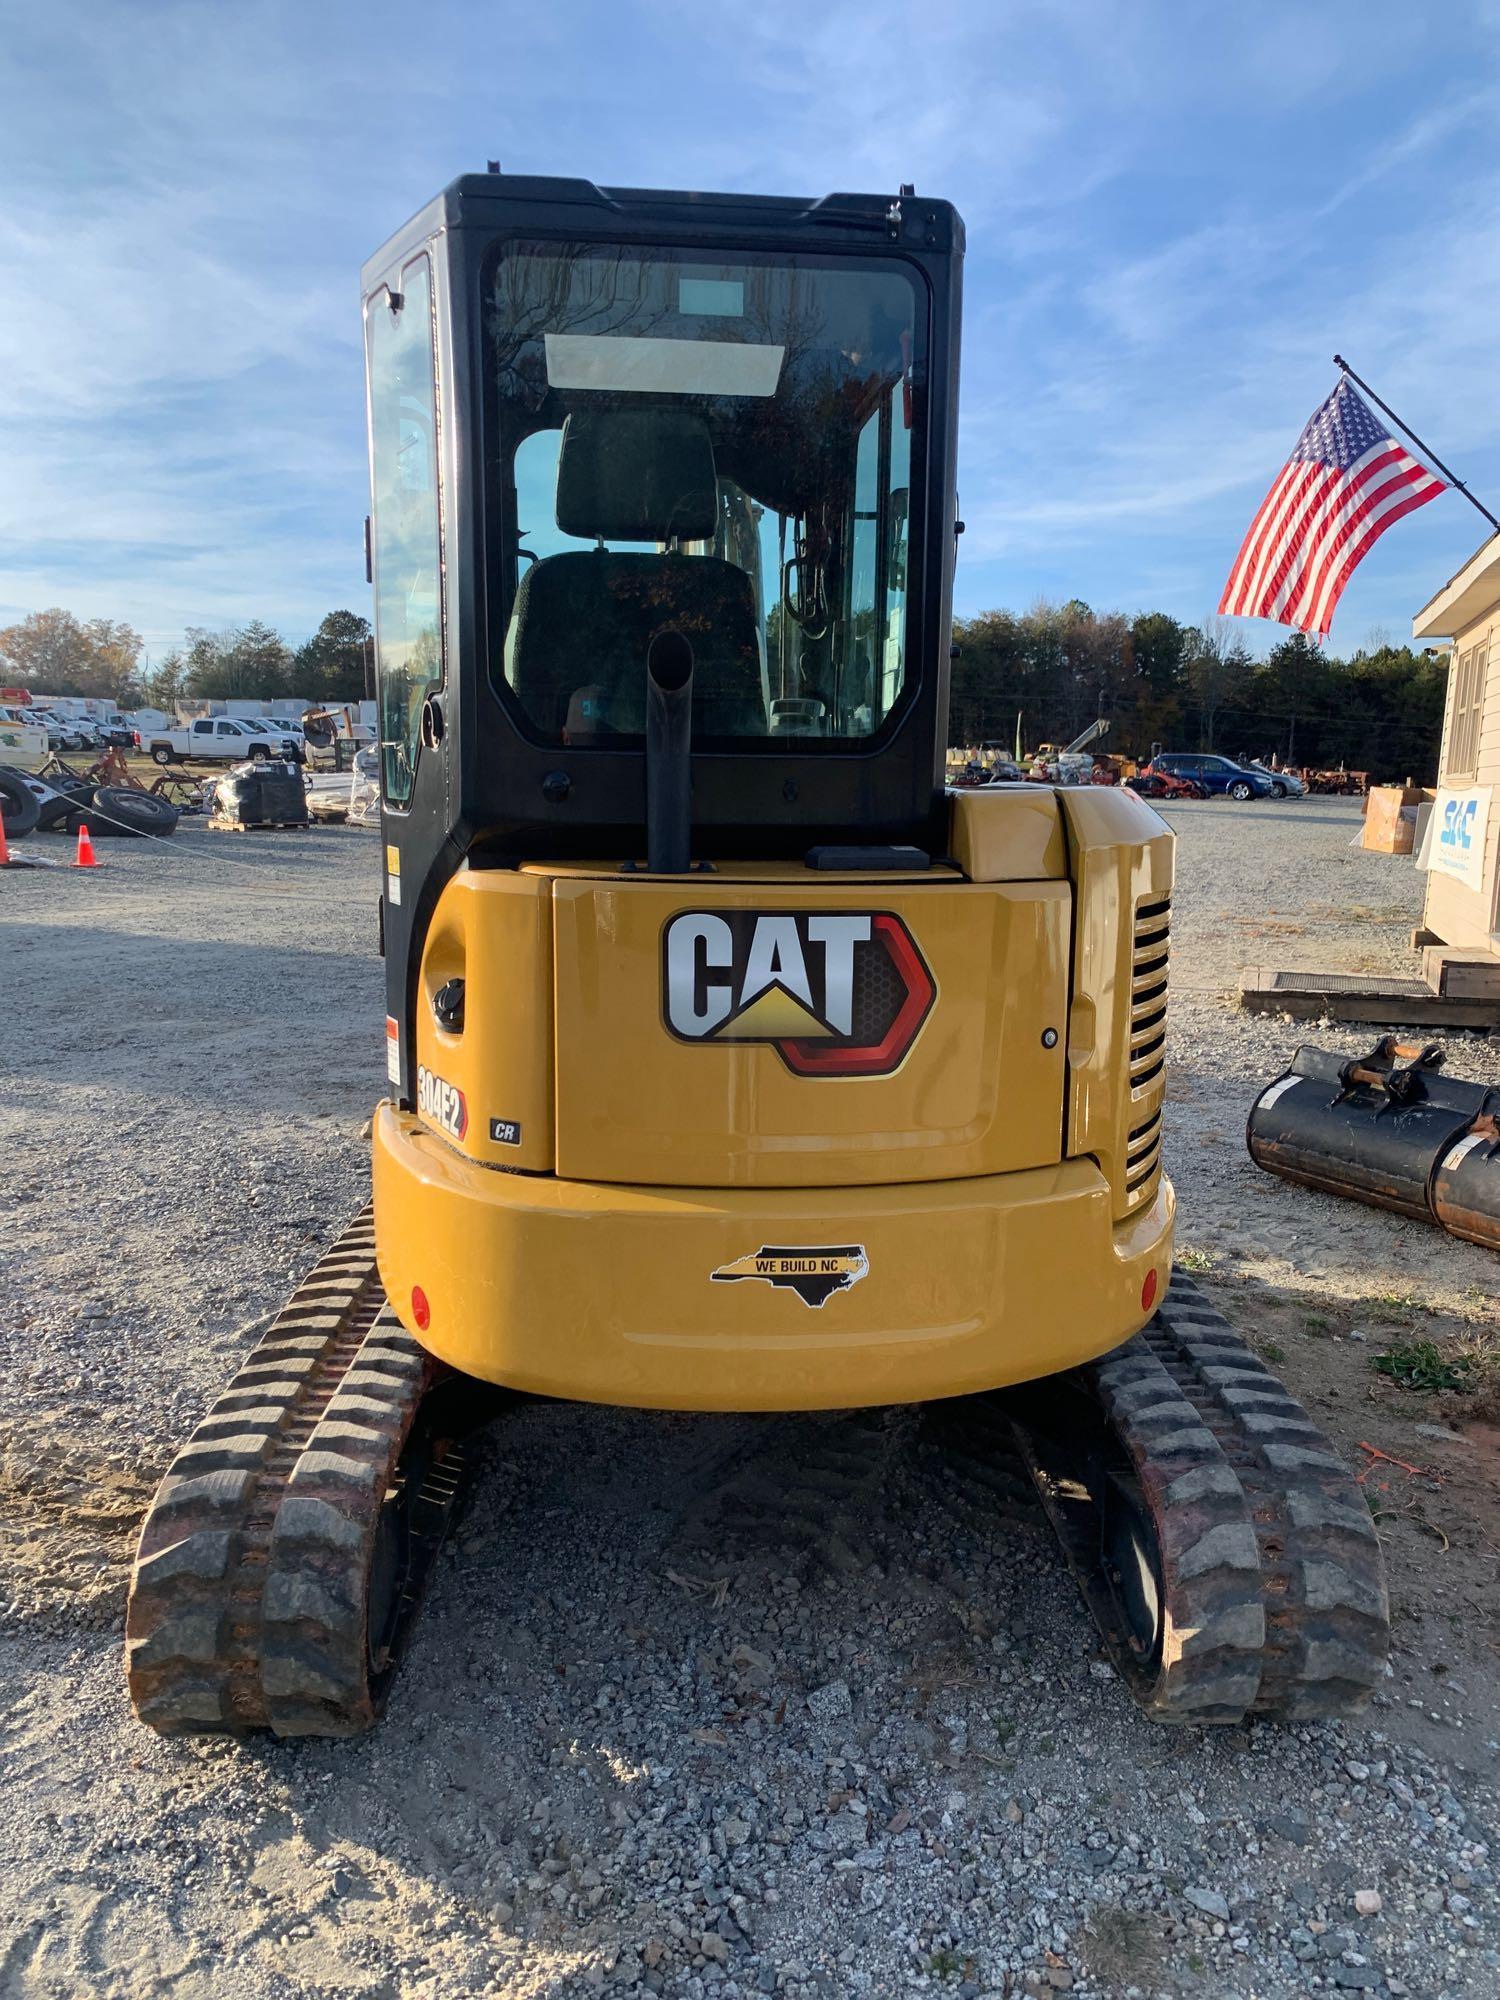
{"points": [[802, 1705]]}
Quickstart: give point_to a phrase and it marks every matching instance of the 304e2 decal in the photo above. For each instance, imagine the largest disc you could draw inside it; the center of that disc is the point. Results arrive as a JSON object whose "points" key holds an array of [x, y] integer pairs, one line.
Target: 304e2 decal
{"points": [[441, 1103], [835, 993]]}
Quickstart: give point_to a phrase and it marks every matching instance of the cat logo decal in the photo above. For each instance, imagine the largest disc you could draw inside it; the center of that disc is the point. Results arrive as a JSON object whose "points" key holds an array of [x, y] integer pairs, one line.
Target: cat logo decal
{"points": [[835, 993]]}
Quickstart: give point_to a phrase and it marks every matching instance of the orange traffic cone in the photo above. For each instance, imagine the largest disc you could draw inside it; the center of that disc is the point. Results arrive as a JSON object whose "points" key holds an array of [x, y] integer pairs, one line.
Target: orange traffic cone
{"points": [[4, 849], [85, 855]]}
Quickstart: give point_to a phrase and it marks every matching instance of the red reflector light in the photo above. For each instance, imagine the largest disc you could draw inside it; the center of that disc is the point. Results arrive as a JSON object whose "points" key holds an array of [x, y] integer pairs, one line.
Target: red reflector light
{"points": [[421, 1312], [1148, 1293]]}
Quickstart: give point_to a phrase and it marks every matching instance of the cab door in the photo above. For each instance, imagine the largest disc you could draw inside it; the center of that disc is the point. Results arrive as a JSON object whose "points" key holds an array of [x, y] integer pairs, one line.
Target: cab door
{"points": [[406, 550]]}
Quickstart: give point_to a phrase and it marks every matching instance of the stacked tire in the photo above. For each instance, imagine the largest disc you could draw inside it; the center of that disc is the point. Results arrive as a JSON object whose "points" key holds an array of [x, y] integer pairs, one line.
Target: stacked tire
{"points": [[19, 810], [54, 809], [121, 811], [108, 811]]}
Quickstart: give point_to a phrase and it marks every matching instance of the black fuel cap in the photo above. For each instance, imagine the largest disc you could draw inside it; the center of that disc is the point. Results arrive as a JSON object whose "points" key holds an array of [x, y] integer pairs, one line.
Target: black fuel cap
{"points": [[448, 1006]]}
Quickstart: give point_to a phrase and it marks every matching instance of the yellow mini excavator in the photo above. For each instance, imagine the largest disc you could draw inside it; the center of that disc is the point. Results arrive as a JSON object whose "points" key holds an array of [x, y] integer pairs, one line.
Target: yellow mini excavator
{"points": [[734, 1063]]}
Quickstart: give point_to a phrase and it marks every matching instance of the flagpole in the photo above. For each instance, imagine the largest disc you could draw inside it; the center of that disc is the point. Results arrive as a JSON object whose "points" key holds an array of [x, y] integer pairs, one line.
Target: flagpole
{"points": [[1452, 477]]}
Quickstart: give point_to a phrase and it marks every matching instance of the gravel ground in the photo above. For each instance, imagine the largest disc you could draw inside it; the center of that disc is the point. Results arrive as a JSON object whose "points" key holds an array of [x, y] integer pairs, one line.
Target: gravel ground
{"points": [[1285, 884], [722, 1706]]}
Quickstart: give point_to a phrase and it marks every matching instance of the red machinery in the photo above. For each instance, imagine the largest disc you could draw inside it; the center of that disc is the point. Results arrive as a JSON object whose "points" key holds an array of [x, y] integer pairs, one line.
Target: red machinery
{"points": [[1152, 783]]}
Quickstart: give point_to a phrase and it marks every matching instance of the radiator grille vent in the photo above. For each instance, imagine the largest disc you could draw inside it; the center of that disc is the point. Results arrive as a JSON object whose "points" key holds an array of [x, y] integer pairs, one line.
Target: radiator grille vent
{"points": [[1148, 992], [1143, 1161]]}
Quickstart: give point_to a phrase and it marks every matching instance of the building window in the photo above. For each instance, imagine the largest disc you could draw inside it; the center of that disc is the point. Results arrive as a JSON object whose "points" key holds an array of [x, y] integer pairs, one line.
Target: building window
{"points": [[1468, 706]]}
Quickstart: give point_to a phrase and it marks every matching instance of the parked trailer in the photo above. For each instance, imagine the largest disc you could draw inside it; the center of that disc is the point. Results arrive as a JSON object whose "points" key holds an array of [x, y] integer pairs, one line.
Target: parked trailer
{"points": [[24, 742]]}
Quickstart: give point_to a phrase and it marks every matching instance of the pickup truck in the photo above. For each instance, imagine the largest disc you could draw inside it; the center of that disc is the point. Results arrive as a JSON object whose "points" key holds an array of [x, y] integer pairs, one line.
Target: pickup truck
{"points": [[218, 739], [64, 732]]}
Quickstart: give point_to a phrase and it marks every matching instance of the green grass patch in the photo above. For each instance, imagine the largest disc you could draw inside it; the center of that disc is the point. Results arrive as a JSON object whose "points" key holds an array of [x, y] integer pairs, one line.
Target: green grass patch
{"points": [[1398, 1306], [1422, 1365]]}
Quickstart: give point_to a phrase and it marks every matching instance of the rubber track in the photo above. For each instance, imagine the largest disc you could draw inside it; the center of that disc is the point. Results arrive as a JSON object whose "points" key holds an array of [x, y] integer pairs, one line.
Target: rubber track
{"points": [[248, 1600], [1274, 1596]]}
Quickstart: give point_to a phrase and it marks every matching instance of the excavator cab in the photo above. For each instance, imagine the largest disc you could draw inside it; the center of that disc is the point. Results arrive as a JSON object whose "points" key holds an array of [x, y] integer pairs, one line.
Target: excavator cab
{"points": [[603, 422], [734, 1062]]}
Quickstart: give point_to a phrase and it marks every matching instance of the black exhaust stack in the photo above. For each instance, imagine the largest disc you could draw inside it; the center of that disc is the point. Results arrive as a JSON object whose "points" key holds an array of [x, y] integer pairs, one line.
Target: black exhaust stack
{"points": [[669, 742]]}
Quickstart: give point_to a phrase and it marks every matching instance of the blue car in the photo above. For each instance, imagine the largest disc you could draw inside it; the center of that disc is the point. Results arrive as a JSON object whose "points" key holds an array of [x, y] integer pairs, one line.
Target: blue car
{"points": [[1216, 774]]}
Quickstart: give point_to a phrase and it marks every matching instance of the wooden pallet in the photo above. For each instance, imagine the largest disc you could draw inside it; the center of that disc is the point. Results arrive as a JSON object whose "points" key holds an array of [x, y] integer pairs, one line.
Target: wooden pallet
{"points": [[1355, 996], [262, 826]]}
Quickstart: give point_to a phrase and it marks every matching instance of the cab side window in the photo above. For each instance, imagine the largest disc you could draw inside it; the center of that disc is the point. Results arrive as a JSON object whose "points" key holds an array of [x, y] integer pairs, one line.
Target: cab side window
{"points": [[406, 533]]}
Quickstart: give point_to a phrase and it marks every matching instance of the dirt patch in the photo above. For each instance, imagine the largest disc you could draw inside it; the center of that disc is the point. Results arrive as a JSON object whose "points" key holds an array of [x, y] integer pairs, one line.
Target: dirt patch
{"points": [[68, 1523], [1428, 1463]]}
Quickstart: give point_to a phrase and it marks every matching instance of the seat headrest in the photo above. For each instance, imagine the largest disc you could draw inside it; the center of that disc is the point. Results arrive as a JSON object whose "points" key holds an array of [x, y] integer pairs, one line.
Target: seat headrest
{"points": [[637, 476]]}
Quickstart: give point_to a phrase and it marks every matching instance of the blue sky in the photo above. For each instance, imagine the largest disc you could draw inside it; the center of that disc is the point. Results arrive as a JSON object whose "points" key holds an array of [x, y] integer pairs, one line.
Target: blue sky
{"points": [[1176, 213]]}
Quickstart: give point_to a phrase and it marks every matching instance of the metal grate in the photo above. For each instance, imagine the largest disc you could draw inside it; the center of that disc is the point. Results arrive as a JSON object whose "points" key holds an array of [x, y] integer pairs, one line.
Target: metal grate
{"points": [[1148, 991], [1349, 982]]}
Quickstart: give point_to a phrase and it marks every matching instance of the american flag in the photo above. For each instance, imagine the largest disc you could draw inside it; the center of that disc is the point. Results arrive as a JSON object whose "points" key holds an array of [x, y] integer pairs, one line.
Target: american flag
{"points": [[1342, 487]]}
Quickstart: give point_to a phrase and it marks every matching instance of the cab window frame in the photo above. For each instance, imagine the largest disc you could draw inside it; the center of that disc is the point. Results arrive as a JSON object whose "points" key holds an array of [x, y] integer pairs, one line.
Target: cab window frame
{"points": [[502, 548]]}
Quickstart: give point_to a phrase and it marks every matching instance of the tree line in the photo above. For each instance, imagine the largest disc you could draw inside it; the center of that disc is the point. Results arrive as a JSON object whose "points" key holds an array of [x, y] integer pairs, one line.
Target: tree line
{"points": [[1055, 667], [1185, 687], [55, 653]]}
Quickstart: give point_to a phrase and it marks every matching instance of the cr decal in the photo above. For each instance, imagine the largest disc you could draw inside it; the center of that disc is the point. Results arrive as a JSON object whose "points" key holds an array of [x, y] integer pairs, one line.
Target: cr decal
{"points": [[835, 992]]}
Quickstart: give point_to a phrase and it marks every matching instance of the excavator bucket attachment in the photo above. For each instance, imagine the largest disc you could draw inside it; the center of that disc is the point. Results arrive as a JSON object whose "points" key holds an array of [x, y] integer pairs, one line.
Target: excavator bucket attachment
{"points": [[1466, 1181], [1386, 1128]]}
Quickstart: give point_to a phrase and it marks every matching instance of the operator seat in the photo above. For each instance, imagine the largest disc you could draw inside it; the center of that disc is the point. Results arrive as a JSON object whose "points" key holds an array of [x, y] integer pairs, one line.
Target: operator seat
{"points": [[584, 621]]}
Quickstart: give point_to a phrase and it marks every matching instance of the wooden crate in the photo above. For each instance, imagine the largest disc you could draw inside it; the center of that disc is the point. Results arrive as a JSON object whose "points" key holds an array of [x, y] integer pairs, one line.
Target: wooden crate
{"points": [[1461, 975]]}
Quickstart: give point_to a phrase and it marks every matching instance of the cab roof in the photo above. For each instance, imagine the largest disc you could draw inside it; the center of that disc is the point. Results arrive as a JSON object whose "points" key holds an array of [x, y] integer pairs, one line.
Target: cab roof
{"points": [[490, 200]]}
